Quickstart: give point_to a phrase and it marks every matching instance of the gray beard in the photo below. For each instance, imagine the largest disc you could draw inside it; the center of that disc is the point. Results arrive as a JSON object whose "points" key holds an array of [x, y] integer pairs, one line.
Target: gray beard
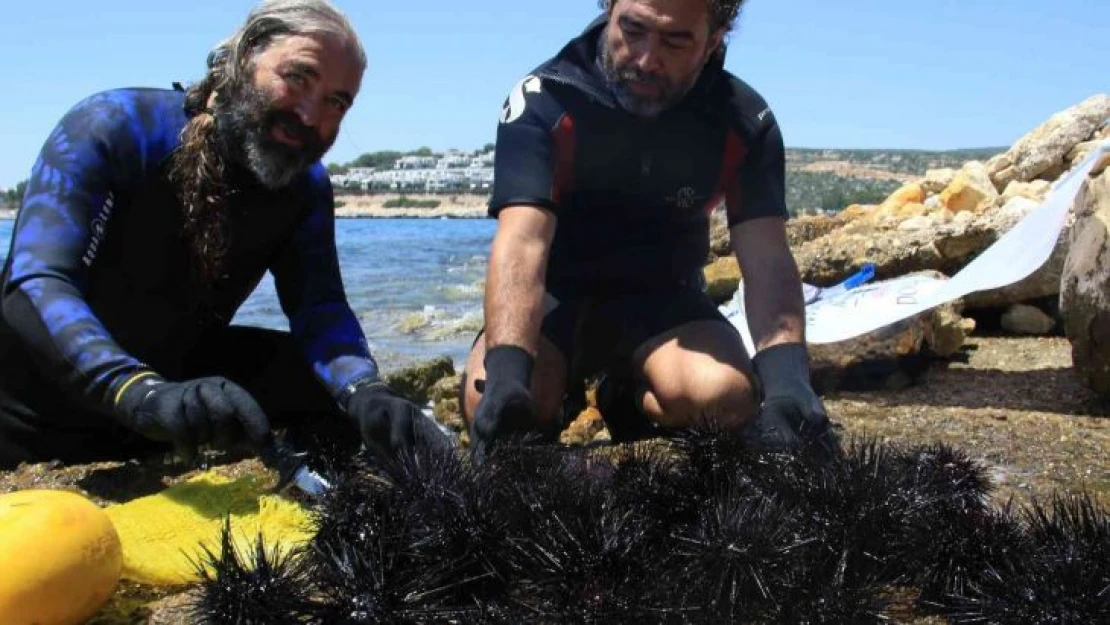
{"points": [[640, 106], [245, 123], [273, 163]]}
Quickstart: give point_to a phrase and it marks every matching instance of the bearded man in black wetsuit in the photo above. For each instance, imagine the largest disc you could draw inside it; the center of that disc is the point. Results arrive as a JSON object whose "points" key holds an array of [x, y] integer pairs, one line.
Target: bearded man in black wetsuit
{"points": [[149, 217], [609, 158]]}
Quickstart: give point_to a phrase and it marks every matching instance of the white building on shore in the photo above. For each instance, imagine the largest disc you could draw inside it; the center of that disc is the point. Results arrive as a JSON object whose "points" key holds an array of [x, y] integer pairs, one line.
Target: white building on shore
{"points": [[451, 171]]}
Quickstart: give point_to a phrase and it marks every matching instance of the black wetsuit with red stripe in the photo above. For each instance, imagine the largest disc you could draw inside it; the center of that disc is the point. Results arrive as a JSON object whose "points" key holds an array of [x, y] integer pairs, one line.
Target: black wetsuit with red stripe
{"points": [[632, 195]]}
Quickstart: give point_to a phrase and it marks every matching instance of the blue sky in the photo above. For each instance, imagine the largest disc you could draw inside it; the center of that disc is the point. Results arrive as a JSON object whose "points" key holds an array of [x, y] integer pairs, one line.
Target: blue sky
{"points": [[933, 74]]}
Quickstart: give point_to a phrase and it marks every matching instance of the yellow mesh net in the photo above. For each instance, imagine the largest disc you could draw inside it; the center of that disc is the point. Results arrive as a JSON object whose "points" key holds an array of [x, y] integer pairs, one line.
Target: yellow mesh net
{"points": [[164, 535]]}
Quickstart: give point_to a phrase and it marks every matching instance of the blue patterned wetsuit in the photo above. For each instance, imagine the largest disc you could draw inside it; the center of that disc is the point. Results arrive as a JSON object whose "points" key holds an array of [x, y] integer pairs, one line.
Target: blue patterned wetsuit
{"points": [[98, 285]]}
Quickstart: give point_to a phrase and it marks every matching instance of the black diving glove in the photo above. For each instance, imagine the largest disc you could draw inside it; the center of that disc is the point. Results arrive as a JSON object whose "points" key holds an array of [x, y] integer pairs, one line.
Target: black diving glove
{"points": [[791, 417], [191, 413], [506, 402], [390, 423]]}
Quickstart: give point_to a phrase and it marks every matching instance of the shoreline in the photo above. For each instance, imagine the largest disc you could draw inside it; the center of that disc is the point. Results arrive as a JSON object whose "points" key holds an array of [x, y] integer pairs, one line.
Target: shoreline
{"points": [[451, 206], [370, 207], [451, 212]]}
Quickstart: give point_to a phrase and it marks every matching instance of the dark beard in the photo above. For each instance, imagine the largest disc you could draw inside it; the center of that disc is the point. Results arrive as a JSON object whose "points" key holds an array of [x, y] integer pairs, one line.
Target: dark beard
{"points": [[246, 121], [670, 93]]}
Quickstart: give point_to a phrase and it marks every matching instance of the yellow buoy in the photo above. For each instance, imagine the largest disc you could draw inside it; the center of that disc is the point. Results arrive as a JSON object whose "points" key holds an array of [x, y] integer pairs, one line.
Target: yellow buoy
{"points": [[60, 558]]}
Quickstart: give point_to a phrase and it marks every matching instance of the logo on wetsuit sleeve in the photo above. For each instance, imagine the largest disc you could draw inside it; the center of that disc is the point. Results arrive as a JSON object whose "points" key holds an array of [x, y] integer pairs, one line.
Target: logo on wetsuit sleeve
{"points": [[98, 228], [516, 104]]}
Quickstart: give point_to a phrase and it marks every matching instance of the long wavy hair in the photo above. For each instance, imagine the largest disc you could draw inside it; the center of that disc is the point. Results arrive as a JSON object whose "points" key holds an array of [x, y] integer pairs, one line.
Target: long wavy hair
{"points": [[200, 167], [722, 13]]}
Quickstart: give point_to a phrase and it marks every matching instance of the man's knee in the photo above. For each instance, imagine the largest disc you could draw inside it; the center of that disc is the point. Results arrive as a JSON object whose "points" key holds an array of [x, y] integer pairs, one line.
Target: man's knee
{"points": [[712, 393], [698, 372], [548, 384]]}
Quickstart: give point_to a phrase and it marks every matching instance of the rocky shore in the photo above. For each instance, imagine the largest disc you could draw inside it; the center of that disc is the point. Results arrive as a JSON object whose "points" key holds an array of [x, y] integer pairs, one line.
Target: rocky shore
{"points": [[461, 206], [938, 224]]}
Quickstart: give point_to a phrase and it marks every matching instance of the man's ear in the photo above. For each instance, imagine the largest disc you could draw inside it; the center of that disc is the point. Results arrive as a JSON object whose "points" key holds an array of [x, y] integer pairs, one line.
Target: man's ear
{"points": [[714, 44]]}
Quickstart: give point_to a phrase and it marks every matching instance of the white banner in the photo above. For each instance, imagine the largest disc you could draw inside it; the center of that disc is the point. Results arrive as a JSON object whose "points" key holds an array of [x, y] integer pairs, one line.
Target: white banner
{"points": [[834, 315]]}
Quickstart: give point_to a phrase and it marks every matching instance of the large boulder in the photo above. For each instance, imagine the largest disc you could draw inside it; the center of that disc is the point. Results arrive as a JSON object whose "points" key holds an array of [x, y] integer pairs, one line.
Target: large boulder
{"points": [[892, 356], [1085, 287], [1043, 152], [943, 221], [971, 189], [936, 241]]}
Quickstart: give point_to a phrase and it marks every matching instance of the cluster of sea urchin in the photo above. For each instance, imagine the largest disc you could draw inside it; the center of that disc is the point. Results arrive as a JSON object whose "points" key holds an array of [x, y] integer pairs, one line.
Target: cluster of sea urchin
{"points": [[695, 530]]}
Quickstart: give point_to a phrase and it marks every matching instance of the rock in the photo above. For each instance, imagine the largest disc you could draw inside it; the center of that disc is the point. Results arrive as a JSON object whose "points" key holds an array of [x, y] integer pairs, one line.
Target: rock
{"points": [[445, 402], [449, 414], [911, 210], [857, 211], [1047, 146], [1004, 178], [831, 258], [1025, 319], [415, 382], [962, 219], [997, 164], [1101, 165], [970, 190], [809, 227], [722, 278], [602, 436], [911, 193], [892, 356], [1035, 190], [937, 179], [946, 334], [1080, 152], [584, 428], [1043, 282], [920, 222], [719, 239], [446, 388], [1085, 287], [1052, 173]]}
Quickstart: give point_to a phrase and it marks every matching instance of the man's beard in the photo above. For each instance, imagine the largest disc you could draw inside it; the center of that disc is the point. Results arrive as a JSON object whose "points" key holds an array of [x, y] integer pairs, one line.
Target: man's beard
{"points": [[618, 79], [246, 122]]}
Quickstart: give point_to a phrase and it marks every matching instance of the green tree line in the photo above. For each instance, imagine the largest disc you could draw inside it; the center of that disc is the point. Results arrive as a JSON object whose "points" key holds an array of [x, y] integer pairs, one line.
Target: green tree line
{"points": [[12, 197], [808, 191], [385, 159]]}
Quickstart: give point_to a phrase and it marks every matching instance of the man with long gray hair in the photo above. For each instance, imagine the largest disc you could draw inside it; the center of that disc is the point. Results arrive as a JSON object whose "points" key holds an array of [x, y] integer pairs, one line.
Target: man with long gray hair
{"points": [[149, 217]]}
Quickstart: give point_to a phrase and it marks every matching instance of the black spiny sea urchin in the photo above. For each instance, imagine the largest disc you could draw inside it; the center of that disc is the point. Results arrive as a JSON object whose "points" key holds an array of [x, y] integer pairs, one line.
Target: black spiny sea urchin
{"points": [[695, 530]]}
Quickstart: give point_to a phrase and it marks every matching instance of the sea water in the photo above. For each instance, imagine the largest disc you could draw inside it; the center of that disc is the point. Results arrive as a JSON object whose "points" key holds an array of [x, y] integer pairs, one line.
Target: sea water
{"points": [[415, 285]]}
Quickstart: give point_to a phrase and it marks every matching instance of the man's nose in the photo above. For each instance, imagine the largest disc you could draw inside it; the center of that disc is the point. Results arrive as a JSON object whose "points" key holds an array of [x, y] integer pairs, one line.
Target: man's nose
{"points": [[647, 57], [309, 111]]}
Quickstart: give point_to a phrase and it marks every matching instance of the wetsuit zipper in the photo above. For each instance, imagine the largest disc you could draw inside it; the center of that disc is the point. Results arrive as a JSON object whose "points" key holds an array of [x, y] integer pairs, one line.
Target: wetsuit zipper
{"points": [[581, 86]]}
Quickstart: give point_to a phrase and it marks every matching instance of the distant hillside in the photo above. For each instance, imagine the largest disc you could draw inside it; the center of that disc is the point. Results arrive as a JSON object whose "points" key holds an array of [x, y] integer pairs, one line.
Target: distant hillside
{"points": [[913, 162], [830, 179]]}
